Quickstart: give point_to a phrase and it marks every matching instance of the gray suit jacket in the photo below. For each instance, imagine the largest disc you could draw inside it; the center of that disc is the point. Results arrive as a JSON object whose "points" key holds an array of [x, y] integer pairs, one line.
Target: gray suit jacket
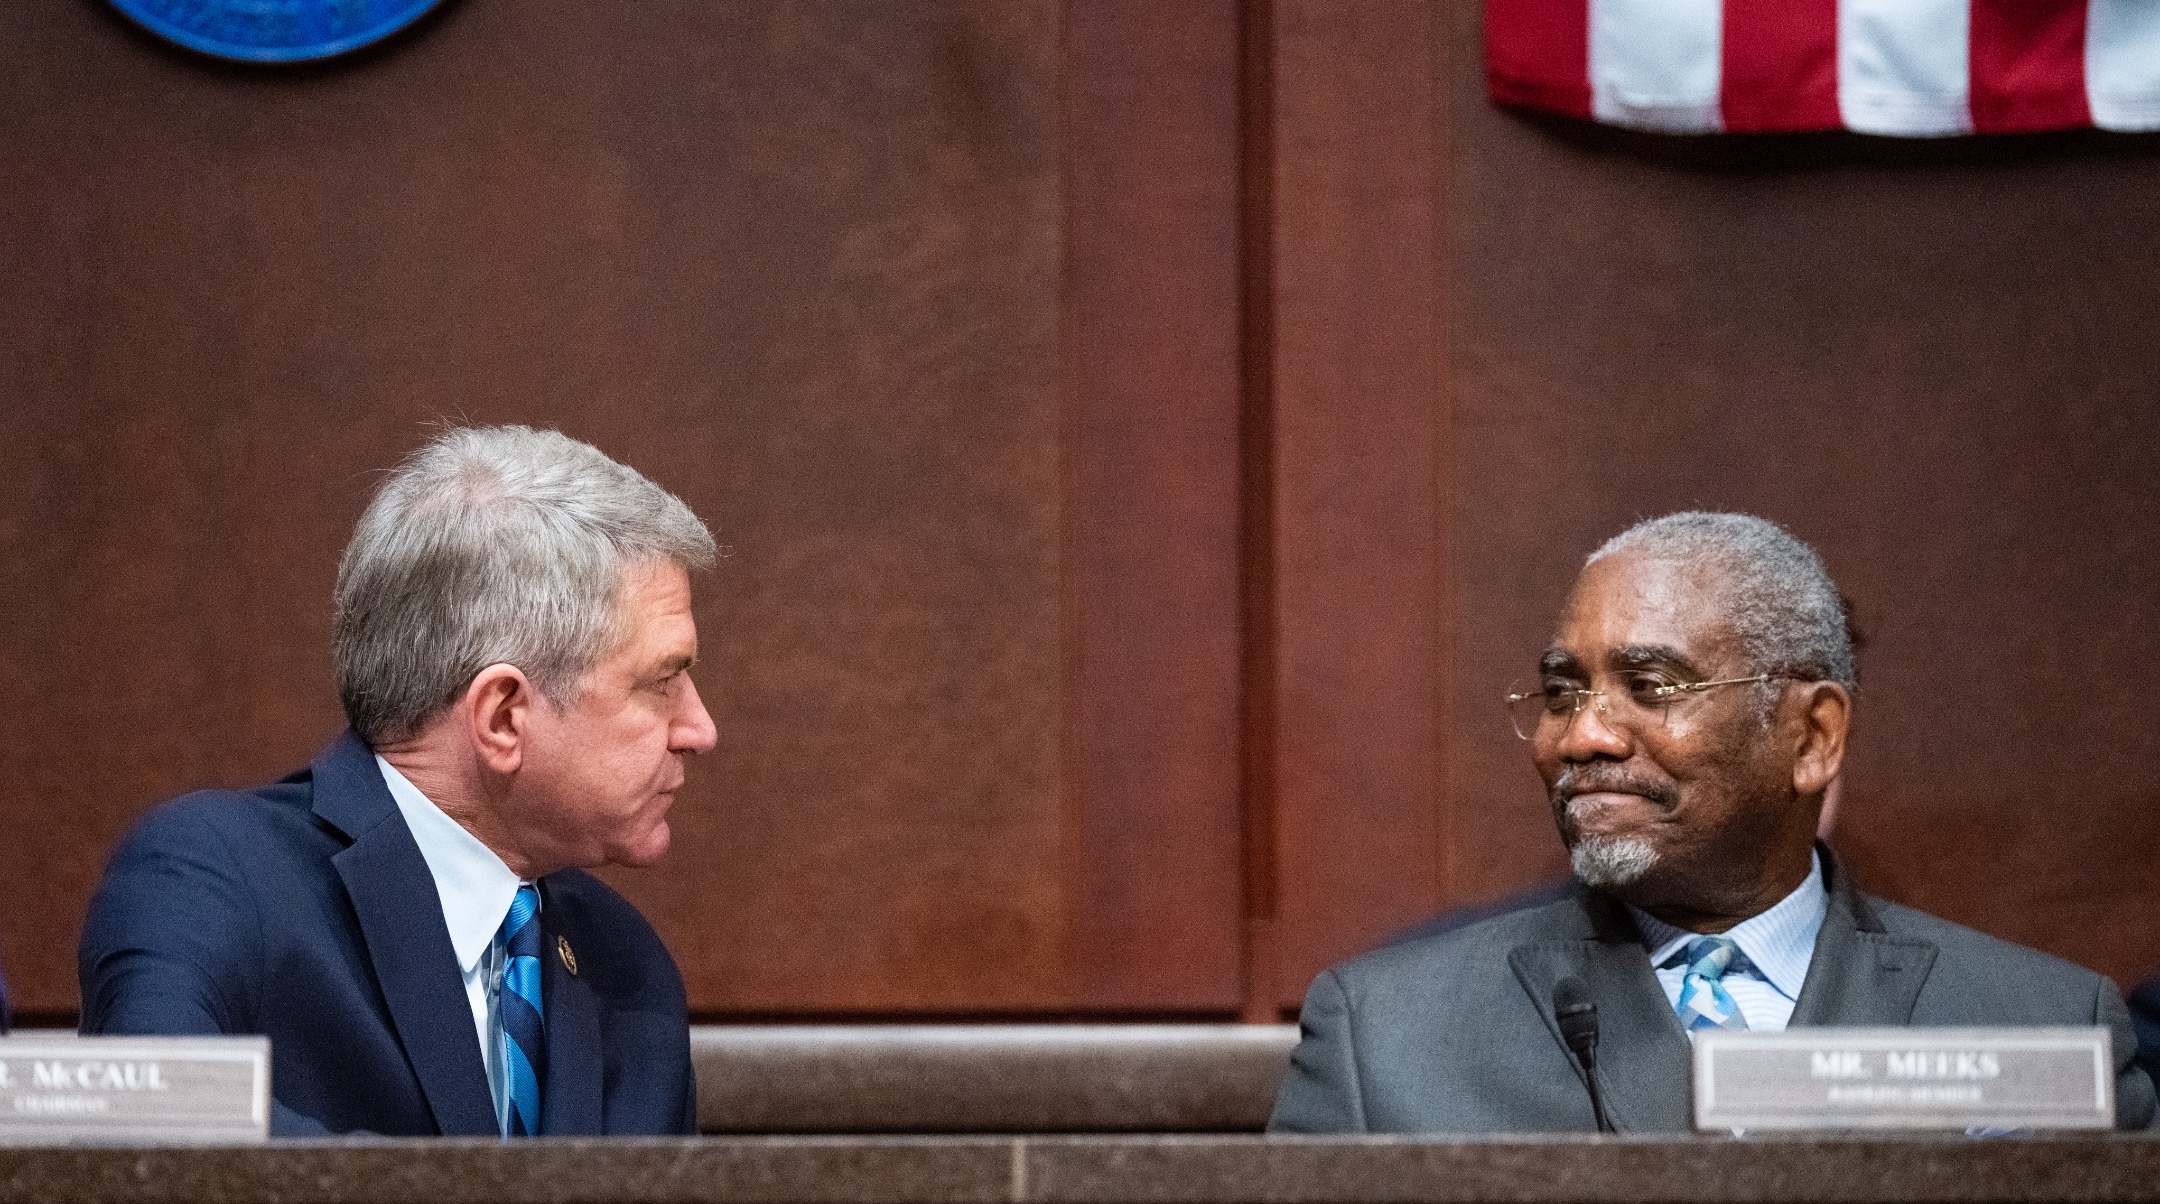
{"points": [[1455, 1033]]}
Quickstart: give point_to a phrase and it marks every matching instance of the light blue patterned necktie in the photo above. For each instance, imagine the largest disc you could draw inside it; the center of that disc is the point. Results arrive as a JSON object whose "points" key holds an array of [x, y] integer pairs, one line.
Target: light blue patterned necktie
{"points": [[1704, 1002], [518, 1002]]}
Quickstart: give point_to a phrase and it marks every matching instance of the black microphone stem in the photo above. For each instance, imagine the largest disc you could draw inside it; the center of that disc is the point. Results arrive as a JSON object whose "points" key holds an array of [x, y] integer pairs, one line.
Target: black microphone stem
{"points": [[1577, 1018], [1597, 1103]]}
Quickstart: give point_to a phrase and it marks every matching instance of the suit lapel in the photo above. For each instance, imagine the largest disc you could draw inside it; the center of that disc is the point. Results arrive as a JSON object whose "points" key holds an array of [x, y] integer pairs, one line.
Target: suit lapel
{"points": [[1859, 974], [408, 943], [572, 1097], [1644, 1059]]}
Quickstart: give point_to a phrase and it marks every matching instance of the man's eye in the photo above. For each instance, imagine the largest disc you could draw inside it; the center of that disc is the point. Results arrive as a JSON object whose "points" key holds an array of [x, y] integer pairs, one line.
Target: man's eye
{"points": [[1649, 687], [1561, 696]]}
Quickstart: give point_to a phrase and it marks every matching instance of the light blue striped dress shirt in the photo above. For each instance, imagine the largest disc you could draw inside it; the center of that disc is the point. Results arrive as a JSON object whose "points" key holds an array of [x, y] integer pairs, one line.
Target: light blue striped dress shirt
{"points": [[1776, 945]]}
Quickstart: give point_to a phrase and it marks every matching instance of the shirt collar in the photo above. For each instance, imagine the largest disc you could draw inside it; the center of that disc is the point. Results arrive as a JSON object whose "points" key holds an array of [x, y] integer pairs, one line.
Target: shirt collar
{"points": [[474, 885], [1779, 943]]}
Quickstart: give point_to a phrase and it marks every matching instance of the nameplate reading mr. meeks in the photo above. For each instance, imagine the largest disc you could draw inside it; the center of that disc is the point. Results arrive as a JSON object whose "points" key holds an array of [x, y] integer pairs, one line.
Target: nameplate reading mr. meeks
{"points": [[1905, 1078], [60, 1087]]}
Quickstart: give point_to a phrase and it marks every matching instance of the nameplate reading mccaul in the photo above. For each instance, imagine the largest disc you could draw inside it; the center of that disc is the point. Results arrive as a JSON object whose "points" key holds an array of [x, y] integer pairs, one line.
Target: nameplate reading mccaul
{"points": [[1905, 1078], [60, 1087]]}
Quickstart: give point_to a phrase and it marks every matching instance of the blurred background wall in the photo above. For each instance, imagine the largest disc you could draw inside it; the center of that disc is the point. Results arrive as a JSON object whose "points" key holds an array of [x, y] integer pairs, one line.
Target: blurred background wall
{"points": [[1148, 437]]}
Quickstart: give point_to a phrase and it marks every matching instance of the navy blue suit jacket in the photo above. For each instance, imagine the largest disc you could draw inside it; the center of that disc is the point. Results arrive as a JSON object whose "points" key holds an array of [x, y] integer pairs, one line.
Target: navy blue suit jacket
{"points": [[304, 911], [2145, 1015]]}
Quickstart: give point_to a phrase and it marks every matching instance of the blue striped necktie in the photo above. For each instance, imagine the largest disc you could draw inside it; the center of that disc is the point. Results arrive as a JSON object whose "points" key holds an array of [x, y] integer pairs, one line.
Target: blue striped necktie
{"points": [[518, 1003], [1704, 1002]]}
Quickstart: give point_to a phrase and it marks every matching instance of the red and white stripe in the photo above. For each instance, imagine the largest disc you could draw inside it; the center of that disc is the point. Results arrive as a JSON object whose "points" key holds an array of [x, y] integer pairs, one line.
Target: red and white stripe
{"points": [[1902, 67]]}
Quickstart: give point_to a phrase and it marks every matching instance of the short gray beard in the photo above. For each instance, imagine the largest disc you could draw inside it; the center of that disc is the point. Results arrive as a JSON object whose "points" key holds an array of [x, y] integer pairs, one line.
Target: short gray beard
{"points": [[1609, 861]]}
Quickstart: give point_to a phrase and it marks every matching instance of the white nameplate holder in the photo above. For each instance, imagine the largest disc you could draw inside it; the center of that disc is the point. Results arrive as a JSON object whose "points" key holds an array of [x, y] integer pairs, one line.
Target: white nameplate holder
{"points": [[1905, 1078], [58, 1087]]}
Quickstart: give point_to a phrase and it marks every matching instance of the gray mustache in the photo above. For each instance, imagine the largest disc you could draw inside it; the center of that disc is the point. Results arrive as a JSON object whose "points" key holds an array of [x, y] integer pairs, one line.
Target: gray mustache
{"points": [[1597, 778]]}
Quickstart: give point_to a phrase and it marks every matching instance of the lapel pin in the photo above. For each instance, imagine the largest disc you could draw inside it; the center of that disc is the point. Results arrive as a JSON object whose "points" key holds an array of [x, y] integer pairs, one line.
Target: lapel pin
{"points": [[569, 959]]}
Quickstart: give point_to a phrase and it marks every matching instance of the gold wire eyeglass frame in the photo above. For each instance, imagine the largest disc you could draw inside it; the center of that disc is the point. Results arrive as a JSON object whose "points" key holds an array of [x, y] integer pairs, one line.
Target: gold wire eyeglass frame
{"points": [[1640, 702]]}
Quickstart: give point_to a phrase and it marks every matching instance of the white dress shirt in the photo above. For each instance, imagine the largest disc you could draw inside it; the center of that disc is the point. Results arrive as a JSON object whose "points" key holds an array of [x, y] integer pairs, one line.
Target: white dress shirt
{"points": [[1776, 947], [475, 888]]}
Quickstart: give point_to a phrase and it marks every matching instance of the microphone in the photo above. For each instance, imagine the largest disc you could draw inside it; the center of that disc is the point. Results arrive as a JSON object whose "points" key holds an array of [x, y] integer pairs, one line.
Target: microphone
{"points": [[1577, 1017]]}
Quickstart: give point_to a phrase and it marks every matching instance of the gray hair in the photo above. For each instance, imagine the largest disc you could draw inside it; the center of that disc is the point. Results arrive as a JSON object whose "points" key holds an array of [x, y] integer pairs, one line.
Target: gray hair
{"points": [[494, 545], [1778, 597]]}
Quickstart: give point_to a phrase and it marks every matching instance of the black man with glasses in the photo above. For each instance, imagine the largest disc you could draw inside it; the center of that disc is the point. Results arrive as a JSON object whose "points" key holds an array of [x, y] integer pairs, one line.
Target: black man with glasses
{"points": [[1687, 718]]}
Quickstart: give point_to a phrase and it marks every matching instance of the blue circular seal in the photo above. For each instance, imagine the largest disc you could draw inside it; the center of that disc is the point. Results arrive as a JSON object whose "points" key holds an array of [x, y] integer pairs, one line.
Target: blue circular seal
{"points": [[274, 31]]}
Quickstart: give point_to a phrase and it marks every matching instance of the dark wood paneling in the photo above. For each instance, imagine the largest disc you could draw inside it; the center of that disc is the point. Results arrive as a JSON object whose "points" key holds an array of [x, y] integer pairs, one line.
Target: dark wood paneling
{"points": [[1152, 392], [1936, 362], [984, 334], [1358, 536], [929, 309], [800, 263]]}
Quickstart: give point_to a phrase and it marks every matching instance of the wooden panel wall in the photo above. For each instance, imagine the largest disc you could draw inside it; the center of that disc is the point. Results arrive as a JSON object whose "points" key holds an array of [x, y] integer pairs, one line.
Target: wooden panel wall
{"points": [[802, 263], [1937, 362], [1149, 437], [1152, 403], [1357, 354]]}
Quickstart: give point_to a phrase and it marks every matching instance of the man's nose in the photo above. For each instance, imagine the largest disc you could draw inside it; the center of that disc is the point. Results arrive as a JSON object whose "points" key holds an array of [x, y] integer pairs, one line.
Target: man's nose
{"points": [[693, 731]]}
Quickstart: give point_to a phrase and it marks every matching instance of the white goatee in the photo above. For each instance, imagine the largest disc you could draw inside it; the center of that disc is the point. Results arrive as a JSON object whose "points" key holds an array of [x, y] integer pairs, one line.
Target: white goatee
{"points": [[1609, 861]]}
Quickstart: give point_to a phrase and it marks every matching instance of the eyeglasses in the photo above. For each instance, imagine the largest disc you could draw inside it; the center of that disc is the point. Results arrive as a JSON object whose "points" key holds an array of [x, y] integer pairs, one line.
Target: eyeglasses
{"points": [[1536, 710]]}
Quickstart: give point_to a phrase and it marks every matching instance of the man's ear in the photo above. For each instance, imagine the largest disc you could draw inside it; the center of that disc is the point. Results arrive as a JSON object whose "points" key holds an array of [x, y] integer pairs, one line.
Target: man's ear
{"points": [[1825, 716], [496, 708]]}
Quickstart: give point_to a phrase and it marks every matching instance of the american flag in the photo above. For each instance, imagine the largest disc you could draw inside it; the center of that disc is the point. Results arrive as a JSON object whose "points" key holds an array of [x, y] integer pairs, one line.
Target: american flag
{"points": [[1914, 68]]}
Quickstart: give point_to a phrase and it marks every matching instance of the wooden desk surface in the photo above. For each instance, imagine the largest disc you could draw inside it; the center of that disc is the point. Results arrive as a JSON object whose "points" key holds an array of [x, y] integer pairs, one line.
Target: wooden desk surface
{"points": [[1235, 1169]]}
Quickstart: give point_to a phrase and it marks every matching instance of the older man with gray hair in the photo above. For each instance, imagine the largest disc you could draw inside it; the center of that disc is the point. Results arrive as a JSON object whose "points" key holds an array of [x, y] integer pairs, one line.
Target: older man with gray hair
{"points": [[1687, 719], [406, 918]]}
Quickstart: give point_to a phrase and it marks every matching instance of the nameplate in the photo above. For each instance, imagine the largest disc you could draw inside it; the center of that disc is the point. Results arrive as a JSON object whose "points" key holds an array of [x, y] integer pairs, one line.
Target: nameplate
{"points": [[60, 1087], [1905, 1078]]}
